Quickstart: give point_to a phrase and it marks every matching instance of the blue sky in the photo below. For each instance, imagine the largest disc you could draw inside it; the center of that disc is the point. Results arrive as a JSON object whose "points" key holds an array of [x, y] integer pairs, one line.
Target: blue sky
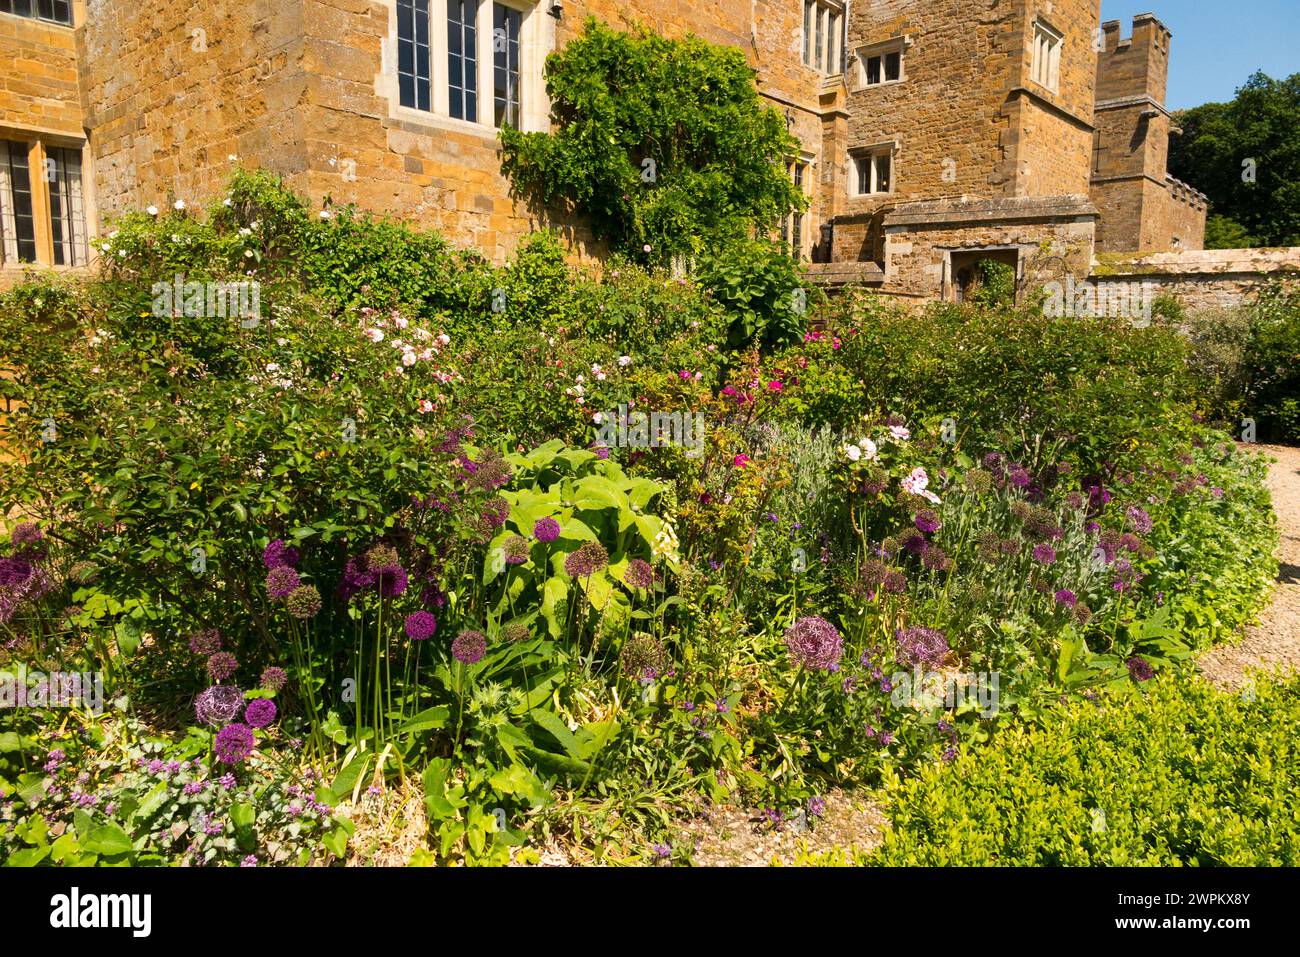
{"points": [[1217, 45]]}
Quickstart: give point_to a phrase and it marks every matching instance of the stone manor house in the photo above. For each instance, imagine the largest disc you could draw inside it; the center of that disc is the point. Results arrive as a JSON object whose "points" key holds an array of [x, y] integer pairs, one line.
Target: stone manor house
{"points": [[934, 132]]}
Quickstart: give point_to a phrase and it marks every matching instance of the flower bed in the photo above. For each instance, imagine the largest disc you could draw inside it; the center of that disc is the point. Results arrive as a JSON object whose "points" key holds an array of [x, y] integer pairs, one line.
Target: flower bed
{"points": [[410, 526]]}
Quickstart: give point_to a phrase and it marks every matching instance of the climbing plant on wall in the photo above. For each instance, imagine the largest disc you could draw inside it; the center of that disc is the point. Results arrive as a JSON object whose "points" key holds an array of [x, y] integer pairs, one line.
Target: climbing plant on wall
{"points": [[665, 146]]}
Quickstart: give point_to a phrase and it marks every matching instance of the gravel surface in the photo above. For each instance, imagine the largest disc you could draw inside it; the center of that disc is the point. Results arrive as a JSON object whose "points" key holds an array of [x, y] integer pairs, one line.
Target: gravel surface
{"points": [[1275, 641], [735, 837]]}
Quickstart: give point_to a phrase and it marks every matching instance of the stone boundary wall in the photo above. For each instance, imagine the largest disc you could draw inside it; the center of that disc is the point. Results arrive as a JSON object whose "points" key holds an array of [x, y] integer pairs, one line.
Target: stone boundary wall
{"points": [[1201, 279]]}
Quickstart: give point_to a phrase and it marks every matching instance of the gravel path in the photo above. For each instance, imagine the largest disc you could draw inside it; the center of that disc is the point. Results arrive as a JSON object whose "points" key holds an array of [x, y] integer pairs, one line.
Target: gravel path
{"points": [[735, 837], [1275, 641]]}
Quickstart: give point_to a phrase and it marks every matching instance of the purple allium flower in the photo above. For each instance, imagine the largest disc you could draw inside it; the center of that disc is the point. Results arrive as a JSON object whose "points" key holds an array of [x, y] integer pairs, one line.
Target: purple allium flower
{"points": [[896, 583], [1098, 496], [469, 647], [382, 558], [1139, 519], [643, 657], [206, 642], [495, 512], [546, 530], [639, 574], [1067, 598], [927, 520], [356, 578], [515, 549], [814, 643], [915, 543], [303, 602], [590, 558], [26, 533], [1045, 554], [936, 559], [420, 626], [1140, 669], [1019, 478], [260, 712], [218, 705], [234, 743], [273, 679], [15, 571], [921, 646], [394, 583], [278, 554], [222, 665], [281, 582]]}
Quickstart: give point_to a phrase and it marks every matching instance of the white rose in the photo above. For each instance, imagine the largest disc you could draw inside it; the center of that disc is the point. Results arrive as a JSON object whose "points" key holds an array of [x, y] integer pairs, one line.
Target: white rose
{"points": [[853, 452]]}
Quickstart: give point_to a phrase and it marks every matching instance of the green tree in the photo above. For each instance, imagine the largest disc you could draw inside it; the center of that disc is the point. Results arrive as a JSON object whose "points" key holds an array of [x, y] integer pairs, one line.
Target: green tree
{"points": [[660, 143], [1245, 155]]}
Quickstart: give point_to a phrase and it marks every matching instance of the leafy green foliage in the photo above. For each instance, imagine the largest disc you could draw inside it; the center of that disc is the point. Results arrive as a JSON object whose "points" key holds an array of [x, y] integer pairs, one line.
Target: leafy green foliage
{"points": [[1255, 134], [1177, 775], [664, 145], [762, 287]]}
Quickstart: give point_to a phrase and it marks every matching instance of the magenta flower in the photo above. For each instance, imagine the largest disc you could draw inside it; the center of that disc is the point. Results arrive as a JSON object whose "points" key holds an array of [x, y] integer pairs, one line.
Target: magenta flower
{"points": [[260, 712], [546, 530], [921, 646], [222, 665], [281, 582], [278, 554], [469, 647], [206, 642], [420, 626], [814, 643], [234, 743]]}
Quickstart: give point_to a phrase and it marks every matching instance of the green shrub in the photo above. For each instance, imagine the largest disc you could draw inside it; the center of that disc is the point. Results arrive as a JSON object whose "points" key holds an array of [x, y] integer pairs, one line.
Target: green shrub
{"points": [[1176, 774], [1273, 382], [762, 288], [1005, 376], [665, 145]]}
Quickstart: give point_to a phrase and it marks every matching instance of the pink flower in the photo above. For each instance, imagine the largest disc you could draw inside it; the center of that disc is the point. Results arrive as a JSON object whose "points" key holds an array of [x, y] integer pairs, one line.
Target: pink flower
{"points": [[774, 386], [740, 461], [426, 405], [684, 375], [917, 484], [375, 335]]}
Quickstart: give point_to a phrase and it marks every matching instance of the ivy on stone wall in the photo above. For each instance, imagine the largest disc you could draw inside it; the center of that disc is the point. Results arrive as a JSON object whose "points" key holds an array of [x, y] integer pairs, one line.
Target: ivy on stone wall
{"points": [[664, 146]]}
